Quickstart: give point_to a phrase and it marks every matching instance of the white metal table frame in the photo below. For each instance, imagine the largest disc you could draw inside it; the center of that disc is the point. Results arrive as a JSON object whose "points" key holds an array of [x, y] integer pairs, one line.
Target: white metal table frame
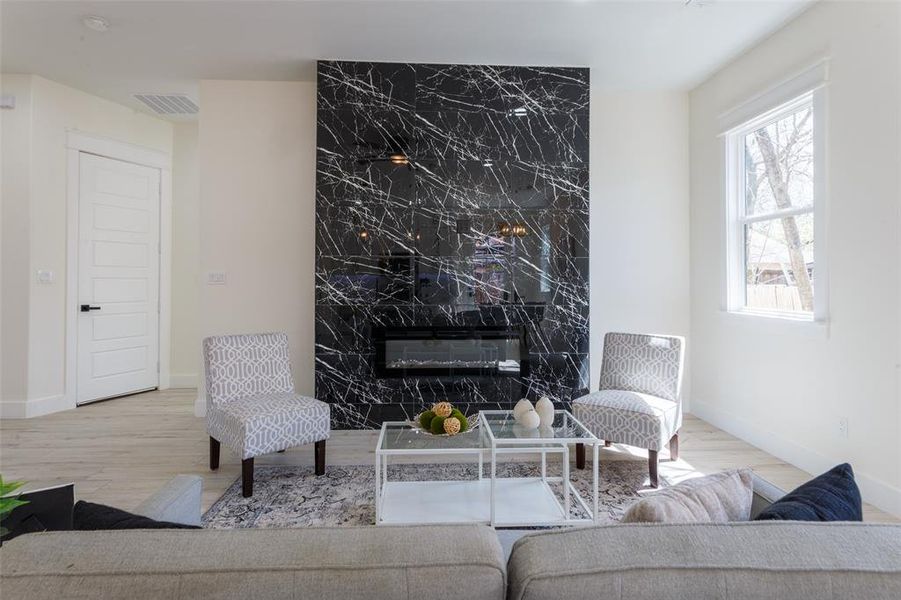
{"points": [[545, 446], [382, 455], [493, 446]]}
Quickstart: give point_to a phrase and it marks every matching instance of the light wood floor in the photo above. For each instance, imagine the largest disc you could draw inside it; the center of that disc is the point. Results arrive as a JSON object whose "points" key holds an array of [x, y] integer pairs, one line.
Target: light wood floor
{"points": [[120, 451]]}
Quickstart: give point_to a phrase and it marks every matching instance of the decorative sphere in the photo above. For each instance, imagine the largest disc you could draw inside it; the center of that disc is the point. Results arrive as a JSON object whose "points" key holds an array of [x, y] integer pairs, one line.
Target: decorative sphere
{"points": [[425, 419], [437, 425], [443, 409], [464, 422], [529, 419], [451, 426], [521, 407]]}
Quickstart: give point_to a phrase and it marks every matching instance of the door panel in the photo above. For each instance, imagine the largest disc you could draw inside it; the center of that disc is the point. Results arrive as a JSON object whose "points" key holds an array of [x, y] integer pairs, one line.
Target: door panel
{"points": [[118, 362], [118, 275], [109, 289], [118, 254], [110, 327], [115, 218]]}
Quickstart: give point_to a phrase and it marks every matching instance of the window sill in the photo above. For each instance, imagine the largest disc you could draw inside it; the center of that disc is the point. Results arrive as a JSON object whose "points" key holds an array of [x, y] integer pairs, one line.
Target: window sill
{"points": [[772, 323]]}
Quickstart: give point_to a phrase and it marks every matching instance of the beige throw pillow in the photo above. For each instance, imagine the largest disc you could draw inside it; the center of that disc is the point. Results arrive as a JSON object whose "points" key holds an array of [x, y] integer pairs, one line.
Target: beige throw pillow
{"points": [[718, 498]]}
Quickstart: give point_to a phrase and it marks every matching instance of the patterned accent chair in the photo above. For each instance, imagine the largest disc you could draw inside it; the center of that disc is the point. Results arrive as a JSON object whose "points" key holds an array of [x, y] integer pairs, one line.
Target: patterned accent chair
{"points": [[639, 401], [251, 405]]}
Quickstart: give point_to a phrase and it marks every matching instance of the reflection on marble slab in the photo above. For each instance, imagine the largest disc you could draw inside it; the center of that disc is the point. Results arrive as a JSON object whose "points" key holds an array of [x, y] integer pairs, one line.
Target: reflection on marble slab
{"points": [[485, 88], [453, 195]]}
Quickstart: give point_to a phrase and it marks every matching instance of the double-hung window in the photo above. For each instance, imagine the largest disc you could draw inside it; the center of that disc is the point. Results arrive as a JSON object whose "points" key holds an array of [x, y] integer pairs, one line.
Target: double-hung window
{"points": [[774, 236]]}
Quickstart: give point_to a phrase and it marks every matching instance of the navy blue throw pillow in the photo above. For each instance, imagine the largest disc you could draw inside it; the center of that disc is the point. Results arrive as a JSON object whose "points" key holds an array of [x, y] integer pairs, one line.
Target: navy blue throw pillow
{"points": [[833, 496]]}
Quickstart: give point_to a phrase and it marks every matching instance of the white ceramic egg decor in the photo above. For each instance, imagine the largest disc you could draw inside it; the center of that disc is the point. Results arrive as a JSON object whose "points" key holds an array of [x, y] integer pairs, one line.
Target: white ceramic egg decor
{"points": [[521, 432], [545, 409], [529, 419], [521, 407]]}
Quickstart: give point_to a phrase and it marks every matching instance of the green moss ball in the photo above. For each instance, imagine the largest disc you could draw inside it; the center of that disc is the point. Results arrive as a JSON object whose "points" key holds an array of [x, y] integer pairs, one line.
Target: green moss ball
{"points": [[437, 425], [464, 424], [425, 419]]}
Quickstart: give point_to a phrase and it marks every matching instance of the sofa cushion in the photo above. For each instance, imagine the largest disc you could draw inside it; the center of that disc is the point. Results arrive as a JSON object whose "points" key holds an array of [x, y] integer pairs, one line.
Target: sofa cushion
{"points": [[330, 563], [178, 501], [718, 498], [266, 423], [89, 516], [628, 417], [833, 496], [732, 561]]}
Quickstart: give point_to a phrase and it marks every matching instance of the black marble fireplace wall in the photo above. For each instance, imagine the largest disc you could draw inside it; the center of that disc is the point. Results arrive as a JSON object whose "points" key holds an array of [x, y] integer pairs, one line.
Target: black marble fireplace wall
{"points": [[449, 195]]}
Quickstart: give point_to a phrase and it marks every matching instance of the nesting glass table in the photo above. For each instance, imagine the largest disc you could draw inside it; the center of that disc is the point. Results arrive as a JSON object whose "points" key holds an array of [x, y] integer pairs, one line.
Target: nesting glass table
{"points": [[487, 497]]}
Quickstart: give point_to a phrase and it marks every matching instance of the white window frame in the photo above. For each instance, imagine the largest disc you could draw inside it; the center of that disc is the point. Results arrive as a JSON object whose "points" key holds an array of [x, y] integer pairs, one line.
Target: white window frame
{"points": [[807, 88]]}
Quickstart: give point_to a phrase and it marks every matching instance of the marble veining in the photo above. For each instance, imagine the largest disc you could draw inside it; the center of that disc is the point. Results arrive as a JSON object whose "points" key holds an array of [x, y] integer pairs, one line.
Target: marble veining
{"points": [[452, 195]]}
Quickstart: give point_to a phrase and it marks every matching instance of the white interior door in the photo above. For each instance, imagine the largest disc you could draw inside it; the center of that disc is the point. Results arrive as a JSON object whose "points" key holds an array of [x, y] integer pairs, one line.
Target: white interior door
{"points": [[118, 278]]}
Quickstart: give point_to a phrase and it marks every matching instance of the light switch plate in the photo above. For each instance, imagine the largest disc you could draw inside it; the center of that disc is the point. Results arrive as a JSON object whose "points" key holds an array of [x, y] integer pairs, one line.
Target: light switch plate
{"points": [[44, 276], [215, 278]]}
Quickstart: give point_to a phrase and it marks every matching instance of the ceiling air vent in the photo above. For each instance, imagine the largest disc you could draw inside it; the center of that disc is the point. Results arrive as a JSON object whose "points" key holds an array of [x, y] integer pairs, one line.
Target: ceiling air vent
{"points": [[168, 104]]}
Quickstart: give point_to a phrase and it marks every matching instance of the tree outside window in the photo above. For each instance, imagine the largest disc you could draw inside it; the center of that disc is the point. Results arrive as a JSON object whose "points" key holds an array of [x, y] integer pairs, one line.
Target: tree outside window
{"points": [[773, 224]]}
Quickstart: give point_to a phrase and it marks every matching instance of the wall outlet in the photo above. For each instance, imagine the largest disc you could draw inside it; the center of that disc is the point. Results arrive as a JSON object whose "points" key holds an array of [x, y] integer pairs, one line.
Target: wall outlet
{"points": [[843, 427], [215, 278]]}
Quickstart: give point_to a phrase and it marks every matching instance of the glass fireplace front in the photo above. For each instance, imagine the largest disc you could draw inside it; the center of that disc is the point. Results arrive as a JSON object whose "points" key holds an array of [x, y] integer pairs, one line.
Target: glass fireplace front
{"points": [[437, 351]]}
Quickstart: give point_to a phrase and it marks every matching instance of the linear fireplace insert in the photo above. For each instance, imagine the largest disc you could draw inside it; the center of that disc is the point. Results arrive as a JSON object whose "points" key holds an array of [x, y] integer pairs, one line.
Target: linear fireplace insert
{"points": [[441, 351]]}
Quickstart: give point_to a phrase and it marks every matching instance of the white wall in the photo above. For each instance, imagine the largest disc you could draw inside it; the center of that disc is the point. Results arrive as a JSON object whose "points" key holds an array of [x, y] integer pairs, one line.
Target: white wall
{"points": [[257, 168], [15, 180], [257, 156], [54, 109], [252, 216], [185, 364], [784, 387], [639, 217]]}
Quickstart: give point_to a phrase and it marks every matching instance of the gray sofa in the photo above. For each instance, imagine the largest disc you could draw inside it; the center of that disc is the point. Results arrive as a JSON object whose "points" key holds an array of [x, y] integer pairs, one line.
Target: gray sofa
{"points": [[178, 501], [740, 560]]}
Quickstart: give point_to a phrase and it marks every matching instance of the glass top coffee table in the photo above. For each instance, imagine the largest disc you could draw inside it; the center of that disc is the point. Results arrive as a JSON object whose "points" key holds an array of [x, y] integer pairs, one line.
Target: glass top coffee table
{"points": [[539, 500]]}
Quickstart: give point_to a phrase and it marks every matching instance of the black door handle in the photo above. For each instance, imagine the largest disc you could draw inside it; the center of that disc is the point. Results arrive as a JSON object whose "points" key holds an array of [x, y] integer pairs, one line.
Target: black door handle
{"points": [[88, 307]]}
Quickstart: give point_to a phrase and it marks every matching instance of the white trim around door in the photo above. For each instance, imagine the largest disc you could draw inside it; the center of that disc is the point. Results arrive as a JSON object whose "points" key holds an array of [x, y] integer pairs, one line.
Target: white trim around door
{"points": [[79, 142]]}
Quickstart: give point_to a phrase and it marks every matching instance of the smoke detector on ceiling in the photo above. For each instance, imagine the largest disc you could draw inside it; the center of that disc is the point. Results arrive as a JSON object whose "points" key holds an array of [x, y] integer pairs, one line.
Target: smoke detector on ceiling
{"points": [[168, 104]]}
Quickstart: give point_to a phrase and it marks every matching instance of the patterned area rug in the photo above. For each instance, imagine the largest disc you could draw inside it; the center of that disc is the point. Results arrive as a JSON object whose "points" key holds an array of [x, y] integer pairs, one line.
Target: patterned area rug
{"points": [[286, 496]]}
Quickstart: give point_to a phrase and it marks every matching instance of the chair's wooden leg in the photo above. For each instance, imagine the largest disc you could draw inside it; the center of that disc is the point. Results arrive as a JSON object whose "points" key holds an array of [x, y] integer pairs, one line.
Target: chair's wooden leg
{"points": [[580, 456], [214, 454], [247, 477], [652, 467], [319, 451], [674, 447], [607, 443]]}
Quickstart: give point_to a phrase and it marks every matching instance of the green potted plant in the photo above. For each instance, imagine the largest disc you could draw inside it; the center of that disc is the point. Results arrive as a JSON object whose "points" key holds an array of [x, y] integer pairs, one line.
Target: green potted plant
{"points": [[8, 502]]}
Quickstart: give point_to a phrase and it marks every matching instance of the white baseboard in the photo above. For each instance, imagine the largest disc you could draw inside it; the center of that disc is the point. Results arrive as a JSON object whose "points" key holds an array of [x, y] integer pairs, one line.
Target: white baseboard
{"points": [[13, 409], [878, 493], [183, 380], [36, 407]]}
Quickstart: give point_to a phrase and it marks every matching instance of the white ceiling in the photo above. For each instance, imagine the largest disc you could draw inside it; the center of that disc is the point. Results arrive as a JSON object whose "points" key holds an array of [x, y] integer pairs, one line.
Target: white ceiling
{"points": [[166, 47]]}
